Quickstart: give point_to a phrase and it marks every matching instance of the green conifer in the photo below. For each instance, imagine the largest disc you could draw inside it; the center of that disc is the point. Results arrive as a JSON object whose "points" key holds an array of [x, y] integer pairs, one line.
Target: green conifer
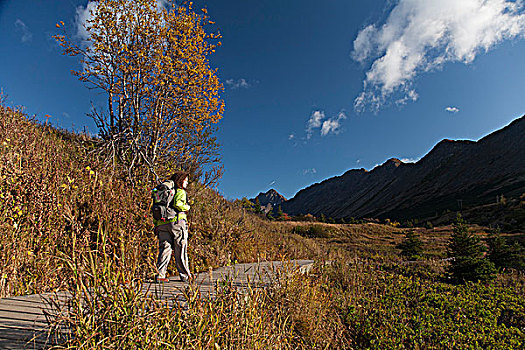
{"points": [[412, 246], [257, 208], [280, 214], [466, 250], [504, 255]]}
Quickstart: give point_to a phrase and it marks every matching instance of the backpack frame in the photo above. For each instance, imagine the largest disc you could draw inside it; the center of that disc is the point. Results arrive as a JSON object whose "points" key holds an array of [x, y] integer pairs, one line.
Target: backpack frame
{"points": [[162, 196]]}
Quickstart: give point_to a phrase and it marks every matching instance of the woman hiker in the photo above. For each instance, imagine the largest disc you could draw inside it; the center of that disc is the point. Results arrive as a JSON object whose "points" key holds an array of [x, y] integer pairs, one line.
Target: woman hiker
{"points": [[173, 233]]}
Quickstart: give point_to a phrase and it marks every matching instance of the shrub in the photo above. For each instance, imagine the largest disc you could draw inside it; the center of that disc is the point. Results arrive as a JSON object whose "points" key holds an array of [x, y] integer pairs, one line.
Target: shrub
{"points": [[429, 225], [313, 231]]}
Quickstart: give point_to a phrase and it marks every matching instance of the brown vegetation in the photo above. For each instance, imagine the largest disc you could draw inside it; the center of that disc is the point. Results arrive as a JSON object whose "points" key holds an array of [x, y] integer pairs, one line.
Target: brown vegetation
{"points": [[57, 197]]}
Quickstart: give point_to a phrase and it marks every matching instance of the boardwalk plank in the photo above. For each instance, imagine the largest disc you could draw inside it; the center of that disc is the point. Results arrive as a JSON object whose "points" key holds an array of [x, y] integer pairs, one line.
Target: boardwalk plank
{"points": [[15, 338], [22, 317]]}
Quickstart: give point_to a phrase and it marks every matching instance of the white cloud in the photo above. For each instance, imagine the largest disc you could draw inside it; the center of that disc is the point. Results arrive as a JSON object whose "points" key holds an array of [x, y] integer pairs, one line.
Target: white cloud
{"points": [[452, 109], [237, 83], [333, 125], [314, 122], [309, 171], [410, 96], [327, 126], [85, 13], [162, 4], [27, 36], [420, 36]]}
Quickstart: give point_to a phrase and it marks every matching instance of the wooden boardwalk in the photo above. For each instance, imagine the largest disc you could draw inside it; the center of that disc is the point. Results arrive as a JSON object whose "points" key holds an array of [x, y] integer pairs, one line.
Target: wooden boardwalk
{"points": [[23, 323]]}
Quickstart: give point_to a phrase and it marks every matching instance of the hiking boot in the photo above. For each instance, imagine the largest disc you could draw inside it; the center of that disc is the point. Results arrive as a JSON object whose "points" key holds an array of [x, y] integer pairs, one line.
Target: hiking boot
{"points": [[184, 278]]}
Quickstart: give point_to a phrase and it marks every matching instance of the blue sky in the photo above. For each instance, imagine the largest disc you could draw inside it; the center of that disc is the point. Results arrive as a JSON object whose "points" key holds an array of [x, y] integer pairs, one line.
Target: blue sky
{"points": [[312, 89]]}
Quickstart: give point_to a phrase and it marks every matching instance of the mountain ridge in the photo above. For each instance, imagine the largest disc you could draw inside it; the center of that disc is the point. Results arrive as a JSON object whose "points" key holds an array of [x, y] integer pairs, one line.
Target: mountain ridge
{"points": [[452, 173]]}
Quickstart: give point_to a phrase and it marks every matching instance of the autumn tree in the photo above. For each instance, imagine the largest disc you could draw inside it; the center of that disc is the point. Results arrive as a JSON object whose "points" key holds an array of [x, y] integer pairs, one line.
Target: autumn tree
{"points": [[163, 102]]}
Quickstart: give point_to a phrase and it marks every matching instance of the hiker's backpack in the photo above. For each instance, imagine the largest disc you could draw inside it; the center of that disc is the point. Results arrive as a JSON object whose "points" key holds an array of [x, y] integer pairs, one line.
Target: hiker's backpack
{"points": [[162, 196]]}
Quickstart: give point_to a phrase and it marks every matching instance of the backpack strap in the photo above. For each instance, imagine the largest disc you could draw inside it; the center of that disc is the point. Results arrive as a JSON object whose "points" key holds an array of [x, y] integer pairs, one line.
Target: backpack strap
{"points": [[172, 186]]}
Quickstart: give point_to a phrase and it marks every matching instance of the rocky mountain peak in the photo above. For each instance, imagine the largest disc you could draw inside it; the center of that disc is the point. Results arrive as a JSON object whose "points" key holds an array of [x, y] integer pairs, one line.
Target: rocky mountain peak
{"points": [[269, 197]]}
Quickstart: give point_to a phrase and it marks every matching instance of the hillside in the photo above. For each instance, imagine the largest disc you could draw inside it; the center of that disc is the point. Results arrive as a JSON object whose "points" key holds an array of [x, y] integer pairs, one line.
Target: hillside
{"points": [[59, 200], [454, 175]]}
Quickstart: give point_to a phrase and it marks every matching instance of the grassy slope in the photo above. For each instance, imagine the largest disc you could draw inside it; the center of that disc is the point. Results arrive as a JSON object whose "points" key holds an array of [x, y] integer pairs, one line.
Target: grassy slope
{"points": [[67, 221], [58, 200]]}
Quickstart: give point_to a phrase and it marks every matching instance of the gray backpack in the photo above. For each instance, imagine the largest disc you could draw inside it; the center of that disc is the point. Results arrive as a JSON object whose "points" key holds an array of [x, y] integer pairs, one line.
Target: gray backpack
{"points": [[162, 196]]}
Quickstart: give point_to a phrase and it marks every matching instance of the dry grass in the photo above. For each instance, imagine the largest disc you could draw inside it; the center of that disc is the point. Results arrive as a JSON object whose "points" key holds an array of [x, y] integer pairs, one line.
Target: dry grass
{"points": [[56, 196]]}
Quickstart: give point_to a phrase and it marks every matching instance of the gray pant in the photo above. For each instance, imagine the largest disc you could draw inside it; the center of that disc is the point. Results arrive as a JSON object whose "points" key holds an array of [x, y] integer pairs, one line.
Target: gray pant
{"points": [[173, 237]]}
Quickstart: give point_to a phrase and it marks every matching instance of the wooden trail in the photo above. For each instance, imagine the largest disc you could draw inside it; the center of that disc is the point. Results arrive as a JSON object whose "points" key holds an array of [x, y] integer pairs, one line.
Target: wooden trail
{"points": [[23, 324]]}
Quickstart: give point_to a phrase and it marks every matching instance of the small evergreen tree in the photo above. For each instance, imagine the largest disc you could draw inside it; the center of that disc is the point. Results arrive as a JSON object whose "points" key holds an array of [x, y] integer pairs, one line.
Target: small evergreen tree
{"points": [[412, 246], [429, 225], [280, 214], [322, 218], [257, 207], [466, 249], [504, 255]]}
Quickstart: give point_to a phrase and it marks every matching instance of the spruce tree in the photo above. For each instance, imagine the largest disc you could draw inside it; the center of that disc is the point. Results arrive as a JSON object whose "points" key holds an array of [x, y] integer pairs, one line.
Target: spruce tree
{"points": [[466, 250], [257, 207], [280, 214], [412, 246], [504, 255]]}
